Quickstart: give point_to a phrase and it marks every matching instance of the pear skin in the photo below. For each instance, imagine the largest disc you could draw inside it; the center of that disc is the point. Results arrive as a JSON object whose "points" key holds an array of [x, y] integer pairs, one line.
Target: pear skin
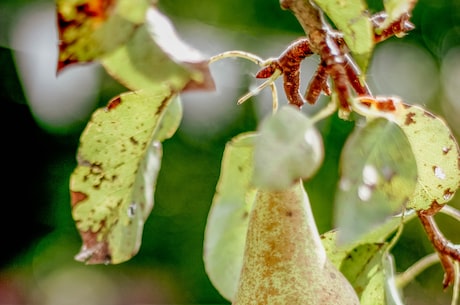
{"points": [[285, 262]]}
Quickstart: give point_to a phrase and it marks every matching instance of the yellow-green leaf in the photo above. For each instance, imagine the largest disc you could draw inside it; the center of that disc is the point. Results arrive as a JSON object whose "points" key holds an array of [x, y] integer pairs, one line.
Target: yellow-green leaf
{"points": [[154, 54], [436, 152], [362, 264], [225, 234], [363, 268], [113, 184]]}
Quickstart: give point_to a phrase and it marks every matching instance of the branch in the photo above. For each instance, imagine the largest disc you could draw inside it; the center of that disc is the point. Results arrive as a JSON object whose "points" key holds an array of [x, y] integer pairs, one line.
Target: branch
{"points": [[448, 252], [335, 59], [309, 16]]}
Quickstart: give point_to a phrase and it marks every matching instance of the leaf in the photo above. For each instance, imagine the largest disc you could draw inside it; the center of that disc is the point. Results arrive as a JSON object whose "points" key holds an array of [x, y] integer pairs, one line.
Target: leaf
{"points": [[379, 174], [137, 45], [170, 120], [337, 253], [351, 18], [361, 264], [118, 162], [436, 152], [395, 9], [288, 148], [225, 234], [154, 54], [363, 268], [89, 29]]}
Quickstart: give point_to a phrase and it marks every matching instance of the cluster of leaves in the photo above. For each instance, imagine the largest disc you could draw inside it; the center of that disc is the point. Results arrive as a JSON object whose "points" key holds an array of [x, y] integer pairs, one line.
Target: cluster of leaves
{"points": [[400, 157], [119, 155]]}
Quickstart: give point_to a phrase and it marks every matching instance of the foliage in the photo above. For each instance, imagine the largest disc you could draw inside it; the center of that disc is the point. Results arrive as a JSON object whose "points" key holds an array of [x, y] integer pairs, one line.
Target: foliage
{"points": [[389, 172]]}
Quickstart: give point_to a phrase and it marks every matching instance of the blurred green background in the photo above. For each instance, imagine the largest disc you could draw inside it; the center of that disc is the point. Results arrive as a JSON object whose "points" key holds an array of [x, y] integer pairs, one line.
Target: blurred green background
{"points": [[43, 117]]}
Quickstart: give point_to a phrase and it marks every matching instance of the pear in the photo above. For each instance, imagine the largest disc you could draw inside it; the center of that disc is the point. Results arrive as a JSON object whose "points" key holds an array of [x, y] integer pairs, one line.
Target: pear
{"points": [[284, 261]]}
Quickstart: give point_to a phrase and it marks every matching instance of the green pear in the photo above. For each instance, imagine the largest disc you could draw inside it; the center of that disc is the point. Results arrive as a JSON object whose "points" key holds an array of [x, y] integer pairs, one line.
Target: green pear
{"points": [[285, 262]]}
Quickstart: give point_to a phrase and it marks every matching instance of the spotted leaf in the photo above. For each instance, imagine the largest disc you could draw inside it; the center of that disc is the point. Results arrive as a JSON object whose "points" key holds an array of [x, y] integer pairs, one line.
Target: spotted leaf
{"points": [[436, 152], [113, 184], [89, 29]]}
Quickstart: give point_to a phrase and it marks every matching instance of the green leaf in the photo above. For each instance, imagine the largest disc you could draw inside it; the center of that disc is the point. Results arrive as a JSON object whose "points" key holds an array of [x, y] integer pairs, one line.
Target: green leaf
{"points": [[153, 55], [436, 152], [288, 148], [363, 268], [379, 174], [337, 252], [170, 121], [91, 29], [113, 184], [351, 18], [225, 234], [361, 263]]}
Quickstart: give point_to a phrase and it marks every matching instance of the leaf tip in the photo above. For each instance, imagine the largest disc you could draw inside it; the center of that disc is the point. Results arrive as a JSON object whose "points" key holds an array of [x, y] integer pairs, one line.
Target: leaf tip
{"points": [[92, 250]]}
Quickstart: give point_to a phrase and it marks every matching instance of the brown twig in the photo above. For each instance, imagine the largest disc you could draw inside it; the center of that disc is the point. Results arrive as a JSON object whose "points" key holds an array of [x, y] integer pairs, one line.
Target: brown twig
{"points": [[289, 63], [336, 62], [397, 28], [446, 250]]}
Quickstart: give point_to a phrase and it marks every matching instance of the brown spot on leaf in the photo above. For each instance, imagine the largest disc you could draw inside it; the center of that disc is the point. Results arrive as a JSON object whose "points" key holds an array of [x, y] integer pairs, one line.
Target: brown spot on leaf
{"points": [[113, 103], [448, 193], [162, 106], [409, 118], [95, 8], [77, 197], [386, 105], [96, 168], [93, 250], [133, 140]]}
